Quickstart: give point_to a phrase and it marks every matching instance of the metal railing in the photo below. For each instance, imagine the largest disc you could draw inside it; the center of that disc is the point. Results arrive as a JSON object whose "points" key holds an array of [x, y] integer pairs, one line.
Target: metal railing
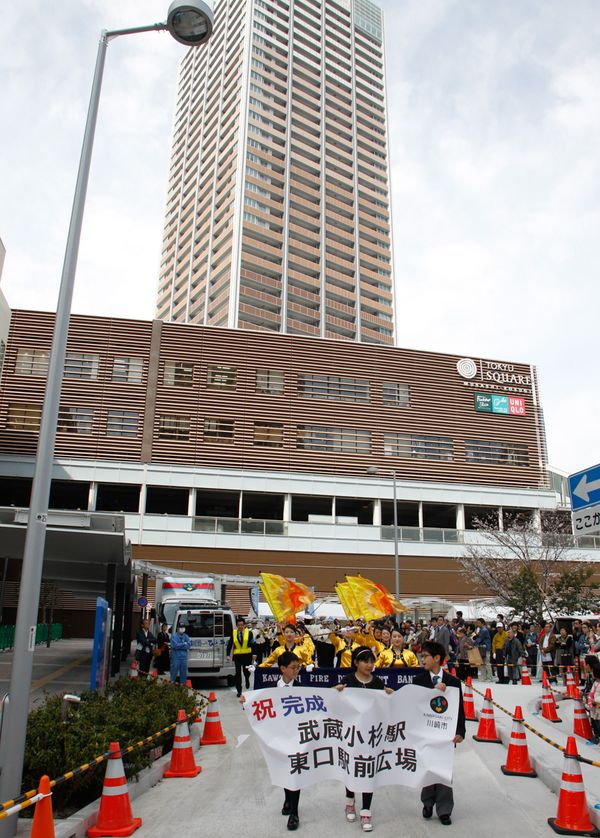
{"points": [[245, 526]]}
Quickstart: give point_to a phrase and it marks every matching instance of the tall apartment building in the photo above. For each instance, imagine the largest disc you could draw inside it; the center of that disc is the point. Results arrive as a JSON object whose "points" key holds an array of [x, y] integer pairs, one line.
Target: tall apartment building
{"points": [[278, 209]]}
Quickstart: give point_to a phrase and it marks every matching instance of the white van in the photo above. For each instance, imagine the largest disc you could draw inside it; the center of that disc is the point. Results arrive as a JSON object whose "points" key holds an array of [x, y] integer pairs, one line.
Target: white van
{"points": [[210, 630]]}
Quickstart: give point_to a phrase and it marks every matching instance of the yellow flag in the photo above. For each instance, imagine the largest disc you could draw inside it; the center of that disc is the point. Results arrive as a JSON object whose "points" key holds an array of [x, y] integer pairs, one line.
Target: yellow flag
{"points": [[347, 600], [373, 600], [285, 596]]}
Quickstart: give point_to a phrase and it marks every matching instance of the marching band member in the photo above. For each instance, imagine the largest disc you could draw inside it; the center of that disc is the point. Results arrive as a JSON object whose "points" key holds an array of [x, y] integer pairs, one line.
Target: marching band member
{"points": [[396, 655]]}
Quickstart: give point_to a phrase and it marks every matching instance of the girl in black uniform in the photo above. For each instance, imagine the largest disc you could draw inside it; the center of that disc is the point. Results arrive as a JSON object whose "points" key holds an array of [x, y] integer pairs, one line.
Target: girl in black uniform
{"points": [[363, 662]]}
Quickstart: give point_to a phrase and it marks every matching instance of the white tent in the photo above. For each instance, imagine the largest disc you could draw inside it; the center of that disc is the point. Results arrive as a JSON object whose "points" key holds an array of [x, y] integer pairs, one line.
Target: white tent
{"points": [[323, 608]]}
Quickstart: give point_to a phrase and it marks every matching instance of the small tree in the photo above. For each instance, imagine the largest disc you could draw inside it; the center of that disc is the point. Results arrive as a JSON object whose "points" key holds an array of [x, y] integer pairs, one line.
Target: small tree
{"points": [[534, 573]]}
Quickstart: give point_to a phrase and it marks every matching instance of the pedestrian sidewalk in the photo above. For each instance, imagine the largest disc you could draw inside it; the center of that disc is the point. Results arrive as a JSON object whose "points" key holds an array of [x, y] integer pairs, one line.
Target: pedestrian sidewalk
{"points": [[64, 667], [547, 760]]}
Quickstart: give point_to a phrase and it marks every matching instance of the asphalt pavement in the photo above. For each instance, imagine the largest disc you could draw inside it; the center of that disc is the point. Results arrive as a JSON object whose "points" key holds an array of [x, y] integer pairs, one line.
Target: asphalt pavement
{"points": [[64, 667]]}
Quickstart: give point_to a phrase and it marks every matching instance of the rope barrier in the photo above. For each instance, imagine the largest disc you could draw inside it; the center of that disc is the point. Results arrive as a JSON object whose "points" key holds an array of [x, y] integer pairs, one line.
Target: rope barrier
{"points": [[537, 732], [23, 801]]}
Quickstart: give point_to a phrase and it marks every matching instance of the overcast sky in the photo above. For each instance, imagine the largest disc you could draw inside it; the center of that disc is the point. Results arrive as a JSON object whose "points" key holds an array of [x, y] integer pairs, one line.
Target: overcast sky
{"points": [[495, 152]]}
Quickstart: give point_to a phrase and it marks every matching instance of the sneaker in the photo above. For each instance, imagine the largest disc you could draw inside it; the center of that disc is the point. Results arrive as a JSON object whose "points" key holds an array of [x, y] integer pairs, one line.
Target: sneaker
{"points": [[350, 812], [365, 820]]}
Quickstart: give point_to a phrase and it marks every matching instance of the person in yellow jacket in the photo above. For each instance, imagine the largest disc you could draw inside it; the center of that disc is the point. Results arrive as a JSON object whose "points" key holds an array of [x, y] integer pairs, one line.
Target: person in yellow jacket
{"points": [[498, 643], [240, 643], [305, 646], [289, 644], [345, 645], [396, 655]]}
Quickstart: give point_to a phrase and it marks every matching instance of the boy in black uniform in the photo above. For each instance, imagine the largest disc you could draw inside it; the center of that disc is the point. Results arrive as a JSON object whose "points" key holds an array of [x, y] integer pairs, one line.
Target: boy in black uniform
{"points": [[434, 677]]}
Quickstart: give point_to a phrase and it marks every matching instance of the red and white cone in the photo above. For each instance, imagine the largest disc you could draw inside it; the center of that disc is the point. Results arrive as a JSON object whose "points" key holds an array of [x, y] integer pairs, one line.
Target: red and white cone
{"points": [[182, 757], [486, 732], [114, 816], [581, 723], [468, 701], [517, 761], [571, 688], [572, 817], [133, 669], [548, 704], [525, 676], [213, 732]]}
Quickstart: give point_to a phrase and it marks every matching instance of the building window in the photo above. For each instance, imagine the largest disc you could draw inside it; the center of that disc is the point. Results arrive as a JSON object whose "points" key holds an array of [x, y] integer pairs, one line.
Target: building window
{"points": [[418, 446], [269, 381], [397, 395], [325, 438], [502, 453], [32, 362], [334, 387], [122, 423], [75, 420], [128, 370], [24, 417], [221, 377], [268, 434], [220, 430], [173, 427], [177, 374], [82, 365]]}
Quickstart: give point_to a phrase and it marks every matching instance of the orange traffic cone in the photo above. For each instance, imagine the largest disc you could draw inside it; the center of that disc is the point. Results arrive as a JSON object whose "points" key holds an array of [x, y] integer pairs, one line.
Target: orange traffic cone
{"points": [[581, 723], [517, 761], [571, 688], [572, 817], [486, 732], [213, 732], [114, 816], [468, 702], [43, 823], [546, 683], [182, 758], [548, 703], [525, 676], [133, 670]]}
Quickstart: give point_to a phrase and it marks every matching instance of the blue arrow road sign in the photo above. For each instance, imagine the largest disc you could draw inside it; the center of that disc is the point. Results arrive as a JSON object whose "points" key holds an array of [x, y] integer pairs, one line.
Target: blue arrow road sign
{"points": [[585, 487]]}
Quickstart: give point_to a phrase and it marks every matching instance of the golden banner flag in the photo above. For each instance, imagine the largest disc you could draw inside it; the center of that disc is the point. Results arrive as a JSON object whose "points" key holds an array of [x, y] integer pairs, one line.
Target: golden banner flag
{"points": [[347, 600], [284, 596], [373, 600]]}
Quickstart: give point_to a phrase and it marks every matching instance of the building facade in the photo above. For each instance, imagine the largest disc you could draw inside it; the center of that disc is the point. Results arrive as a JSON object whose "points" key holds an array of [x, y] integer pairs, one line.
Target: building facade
{"points": [[278, 207], [236, 451]]}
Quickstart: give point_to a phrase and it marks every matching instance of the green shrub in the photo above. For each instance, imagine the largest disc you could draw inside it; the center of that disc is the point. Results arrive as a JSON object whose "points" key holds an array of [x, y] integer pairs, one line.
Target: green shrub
{"points": [[130, 710]]}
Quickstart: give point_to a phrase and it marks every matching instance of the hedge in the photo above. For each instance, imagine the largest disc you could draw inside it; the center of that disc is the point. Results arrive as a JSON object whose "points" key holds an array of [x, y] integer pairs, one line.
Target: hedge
{"points": [[130, 710]]}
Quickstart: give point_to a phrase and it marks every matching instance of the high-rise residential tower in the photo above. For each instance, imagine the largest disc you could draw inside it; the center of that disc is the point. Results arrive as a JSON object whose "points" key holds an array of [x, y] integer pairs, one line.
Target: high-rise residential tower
{"points": [[278, 210]]}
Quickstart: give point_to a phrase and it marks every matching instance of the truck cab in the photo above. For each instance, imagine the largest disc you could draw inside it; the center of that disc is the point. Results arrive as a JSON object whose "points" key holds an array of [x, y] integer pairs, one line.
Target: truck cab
{"points": [[209, 629]]}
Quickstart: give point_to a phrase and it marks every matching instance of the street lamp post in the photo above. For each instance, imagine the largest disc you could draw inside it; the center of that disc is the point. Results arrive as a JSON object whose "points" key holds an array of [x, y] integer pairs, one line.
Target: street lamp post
{"points": [[375, 470], [190, 22]]}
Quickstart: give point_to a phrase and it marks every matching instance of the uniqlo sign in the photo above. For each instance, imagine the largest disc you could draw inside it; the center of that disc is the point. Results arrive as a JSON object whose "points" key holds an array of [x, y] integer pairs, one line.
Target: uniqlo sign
{"points": [[516, 406]]}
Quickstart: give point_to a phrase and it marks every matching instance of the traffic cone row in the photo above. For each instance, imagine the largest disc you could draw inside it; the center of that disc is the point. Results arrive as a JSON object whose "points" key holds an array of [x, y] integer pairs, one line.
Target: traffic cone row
{"points": [[114, 816], [182, 757], [572, 691], [525, 676], [468, 701], [572, 817], [486, 732], [518, 762]]}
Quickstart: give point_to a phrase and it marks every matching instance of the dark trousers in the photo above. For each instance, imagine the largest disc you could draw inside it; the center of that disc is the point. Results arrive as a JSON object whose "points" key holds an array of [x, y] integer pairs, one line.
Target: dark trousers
{"points": [[550, 670], [325, 654], [439, 796], [532, 654], [241, 662], [367, 797], [292, 798]]}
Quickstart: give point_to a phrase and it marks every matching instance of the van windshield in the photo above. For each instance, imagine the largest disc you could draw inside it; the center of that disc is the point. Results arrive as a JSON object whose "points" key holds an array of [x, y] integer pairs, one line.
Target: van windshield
{"points": [[200, 625]]}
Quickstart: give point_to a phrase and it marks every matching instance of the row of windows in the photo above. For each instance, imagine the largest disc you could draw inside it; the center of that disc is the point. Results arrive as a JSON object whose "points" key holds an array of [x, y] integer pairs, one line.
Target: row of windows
{"points": [[126, 423], [82, 365]]}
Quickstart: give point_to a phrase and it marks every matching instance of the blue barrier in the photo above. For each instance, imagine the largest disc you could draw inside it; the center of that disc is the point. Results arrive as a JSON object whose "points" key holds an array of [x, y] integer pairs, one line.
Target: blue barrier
{"points": [[394, 678]]}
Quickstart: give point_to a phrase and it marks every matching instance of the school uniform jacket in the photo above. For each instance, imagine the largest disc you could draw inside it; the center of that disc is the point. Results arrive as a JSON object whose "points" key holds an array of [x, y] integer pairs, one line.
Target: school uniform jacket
{"points": [[423, 679]]}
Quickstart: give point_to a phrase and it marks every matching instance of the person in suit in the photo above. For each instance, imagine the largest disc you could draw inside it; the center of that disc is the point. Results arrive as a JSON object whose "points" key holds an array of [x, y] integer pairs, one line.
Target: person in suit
{"points": [[434, 677], [146, 642]]}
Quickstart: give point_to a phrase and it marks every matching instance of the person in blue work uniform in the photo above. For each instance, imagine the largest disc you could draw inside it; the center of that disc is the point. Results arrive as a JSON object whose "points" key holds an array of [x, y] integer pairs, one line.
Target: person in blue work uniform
{"points": [[181, 643]]}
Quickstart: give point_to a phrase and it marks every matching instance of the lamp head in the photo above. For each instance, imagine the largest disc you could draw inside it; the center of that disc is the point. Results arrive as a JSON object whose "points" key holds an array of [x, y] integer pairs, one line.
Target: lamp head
{"points": [[190, 22]]}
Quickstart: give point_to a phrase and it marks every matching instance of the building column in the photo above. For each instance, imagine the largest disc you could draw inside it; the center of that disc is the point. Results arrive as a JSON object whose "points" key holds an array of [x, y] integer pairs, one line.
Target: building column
{"points": [[421, 514], [500, 518], [287, 508], [142, 501], [460, 516], [536, 519], [115, 664], [92, 496], [127, 622], [377, 512], [192, 503]]}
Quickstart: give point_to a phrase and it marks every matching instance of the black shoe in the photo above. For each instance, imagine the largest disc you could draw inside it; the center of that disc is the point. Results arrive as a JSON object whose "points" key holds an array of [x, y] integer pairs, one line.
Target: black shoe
{"points": [[293, 822], [446, 820], [427, 811], [286, 809]]}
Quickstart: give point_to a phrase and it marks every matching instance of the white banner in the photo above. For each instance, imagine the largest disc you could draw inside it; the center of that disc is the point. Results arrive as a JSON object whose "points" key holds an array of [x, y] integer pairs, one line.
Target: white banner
{"points": [[363, 738]]}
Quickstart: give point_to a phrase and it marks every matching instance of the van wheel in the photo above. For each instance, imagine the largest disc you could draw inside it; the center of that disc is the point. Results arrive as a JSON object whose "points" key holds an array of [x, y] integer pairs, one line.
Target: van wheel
{"points": [[231, 680]]}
